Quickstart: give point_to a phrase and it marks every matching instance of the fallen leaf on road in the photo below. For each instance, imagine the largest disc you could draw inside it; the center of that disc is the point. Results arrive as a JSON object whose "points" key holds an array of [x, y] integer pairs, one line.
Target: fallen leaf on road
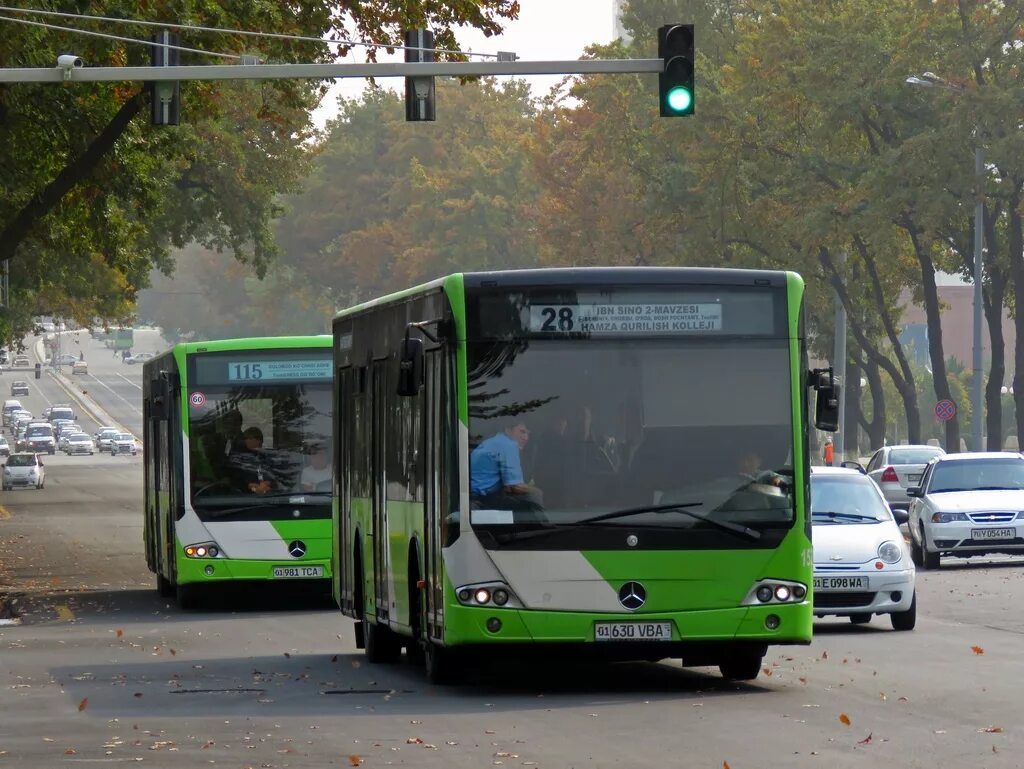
{"points": [[137, 694], [866, 740], [120, 633], [824, 654], [725, 765], [69, 751], [977, 650], [83, 704], [287, 655], [802, 680], [882, 695], [991, 730], [172, 652], [844, 719], [334, 658], [767, 671], [354, 760], [414, 741]]}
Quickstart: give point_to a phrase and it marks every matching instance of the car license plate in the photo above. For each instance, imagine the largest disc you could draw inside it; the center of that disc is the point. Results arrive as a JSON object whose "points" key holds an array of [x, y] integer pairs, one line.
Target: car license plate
{"points": [[297, 572], [841, 583], [913, 477], [993, 533], [632, 631]]}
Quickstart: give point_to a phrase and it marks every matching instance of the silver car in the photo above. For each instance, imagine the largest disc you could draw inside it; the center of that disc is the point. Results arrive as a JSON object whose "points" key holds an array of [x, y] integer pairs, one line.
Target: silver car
{"points": [[79, 443], [897, 468]]}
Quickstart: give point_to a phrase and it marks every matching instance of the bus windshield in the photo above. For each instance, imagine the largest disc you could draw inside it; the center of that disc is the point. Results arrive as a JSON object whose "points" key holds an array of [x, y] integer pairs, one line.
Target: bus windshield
{"points": [[603, 429], [261, 451]]}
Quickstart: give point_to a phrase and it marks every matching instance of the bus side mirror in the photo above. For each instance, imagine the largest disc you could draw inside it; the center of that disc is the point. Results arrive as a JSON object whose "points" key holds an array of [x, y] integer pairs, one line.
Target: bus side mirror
{"points": [[826, 408], [159, 396], [410, 367]]}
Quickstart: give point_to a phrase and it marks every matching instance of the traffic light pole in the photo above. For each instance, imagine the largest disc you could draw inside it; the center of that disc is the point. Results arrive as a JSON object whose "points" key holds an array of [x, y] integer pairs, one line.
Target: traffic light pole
{"points": [[330, 71]]}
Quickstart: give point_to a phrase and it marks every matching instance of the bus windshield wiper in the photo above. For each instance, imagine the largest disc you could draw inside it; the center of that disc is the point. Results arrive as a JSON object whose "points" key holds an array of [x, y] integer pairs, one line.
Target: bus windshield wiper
{"points": [[851, 516], [735, 528]]}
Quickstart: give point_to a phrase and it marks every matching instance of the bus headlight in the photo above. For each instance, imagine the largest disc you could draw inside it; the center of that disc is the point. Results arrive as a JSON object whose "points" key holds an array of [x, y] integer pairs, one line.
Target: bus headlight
{"points": [[488, 594], [202, 550], [773, 591]]}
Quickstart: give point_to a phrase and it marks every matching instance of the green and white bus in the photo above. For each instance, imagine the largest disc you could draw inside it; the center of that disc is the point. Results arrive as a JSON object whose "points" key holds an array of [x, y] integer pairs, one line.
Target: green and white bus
{"points": [[653, 503], [237, 442]]}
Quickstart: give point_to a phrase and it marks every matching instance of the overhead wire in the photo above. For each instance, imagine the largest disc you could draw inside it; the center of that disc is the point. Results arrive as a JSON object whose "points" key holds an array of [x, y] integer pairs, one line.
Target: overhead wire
{"points": [[116, 37], [221, 30]]}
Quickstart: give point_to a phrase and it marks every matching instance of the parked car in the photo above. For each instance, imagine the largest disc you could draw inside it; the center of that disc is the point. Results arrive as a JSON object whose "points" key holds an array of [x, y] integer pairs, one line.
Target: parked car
{"points": [[896, 468], [19, 387], [24, 470], [5, 447], [79, 443], [862, 565], [968, 504], [139, 357], [104, 437], [123, 443], [79, 367]]}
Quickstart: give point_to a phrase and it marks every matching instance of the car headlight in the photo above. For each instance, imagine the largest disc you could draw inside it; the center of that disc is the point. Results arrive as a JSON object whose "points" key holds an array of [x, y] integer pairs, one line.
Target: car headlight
{"points": [[890, 552], [948, 517]]}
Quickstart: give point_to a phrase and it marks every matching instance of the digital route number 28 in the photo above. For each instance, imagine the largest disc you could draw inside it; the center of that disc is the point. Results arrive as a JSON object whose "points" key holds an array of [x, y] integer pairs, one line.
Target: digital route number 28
{"points": [[557, 319]]}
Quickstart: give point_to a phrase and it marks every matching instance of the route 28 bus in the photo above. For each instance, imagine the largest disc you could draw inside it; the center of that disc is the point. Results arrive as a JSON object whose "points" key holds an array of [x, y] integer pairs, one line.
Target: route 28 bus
{"points": [[237, 442], [645, 434]]}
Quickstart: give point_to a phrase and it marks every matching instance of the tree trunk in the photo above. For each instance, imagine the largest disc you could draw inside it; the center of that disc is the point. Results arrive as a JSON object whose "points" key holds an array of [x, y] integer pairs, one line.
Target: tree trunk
{"points": [[933, 314], [78, 169], [1014, 242], [994, 296]]}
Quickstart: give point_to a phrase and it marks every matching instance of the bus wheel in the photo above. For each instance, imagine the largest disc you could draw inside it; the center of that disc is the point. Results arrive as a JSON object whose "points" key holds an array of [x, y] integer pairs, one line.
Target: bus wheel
{"points": [[441, 664], [187, 596], [164, 586], [740, 668], [381, 645]]}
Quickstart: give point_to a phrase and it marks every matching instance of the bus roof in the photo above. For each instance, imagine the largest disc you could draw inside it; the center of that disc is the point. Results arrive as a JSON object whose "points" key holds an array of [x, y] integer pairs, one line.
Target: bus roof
{"points": [[248, 343], [584, 276]]}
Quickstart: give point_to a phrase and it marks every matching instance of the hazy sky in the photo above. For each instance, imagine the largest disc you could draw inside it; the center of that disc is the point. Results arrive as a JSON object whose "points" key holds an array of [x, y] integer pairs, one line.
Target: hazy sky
{"points": [[546, 29]]}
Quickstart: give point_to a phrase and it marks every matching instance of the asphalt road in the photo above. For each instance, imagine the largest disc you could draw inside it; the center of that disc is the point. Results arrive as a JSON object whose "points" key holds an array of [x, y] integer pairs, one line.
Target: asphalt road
{"points": [[101, 670]]}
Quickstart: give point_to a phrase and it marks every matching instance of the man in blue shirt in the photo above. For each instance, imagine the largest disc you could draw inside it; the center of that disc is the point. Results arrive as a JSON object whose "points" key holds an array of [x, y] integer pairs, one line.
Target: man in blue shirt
{"points": [[496, 472]]}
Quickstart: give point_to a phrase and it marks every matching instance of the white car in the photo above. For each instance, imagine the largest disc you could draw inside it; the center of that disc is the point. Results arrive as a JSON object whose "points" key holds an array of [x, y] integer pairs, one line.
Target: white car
{"points": [[862, 565], [105, 437], [139, 357], [968, 504], [78, 443], [24, 470], [897, 468], [123, 443]]}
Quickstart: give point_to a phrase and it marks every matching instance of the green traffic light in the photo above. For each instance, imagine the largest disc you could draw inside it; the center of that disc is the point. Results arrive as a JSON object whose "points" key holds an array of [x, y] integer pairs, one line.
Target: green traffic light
{"points": [[679, 99]]}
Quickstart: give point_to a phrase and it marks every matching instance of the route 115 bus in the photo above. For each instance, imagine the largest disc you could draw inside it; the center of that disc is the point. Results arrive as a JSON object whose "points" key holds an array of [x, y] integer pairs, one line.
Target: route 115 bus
{"points": [[604, 461], [237, 443]]}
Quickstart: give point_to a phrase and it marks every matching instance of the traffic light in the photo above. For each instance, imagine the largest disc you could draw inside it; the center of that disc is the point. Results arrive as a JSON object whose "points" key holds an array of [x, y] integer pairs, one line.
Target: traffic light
{"points": [[419, 91], [675, 82], [165, 95]]}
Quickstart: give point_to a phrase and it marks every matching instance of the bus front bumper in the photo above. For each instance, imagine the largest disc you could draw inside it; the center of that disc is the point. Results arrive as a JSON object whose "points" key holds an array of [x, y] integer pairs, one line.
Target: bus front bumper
{"points": [[198, 570]]}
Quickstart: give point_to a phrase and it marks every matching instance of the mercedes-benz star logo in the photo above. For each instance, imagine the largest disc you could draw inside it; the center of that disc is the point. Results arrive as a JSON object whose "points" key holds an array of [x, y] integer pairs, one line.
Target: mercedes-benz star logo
{"points": [[632, 595], [297, 549]]}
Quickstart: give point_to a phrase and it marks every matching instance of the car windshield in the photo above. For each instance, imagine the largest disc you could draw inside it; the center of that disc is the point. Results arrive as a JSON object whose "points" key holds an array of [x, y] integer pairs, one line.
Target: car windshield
{"points": [[124, 437], [846, 499], [21, 460], [78, 438], [36, 431], [977, 474], [913, 456]]}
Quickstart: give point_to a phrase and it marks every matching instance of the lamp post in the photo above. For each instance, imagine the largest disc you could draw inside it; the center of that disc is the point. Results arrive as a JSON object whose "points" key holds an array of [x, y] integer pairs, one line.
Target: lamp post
{"points": [[931, 80]]}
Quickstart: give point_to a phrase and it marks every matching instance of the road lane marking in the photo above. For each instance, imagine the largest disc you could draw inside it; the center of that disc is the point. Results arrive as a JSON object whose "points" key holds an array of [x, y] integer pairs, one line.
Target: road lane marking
{"points": [[116, 394], [65, 613], [133, 384]]}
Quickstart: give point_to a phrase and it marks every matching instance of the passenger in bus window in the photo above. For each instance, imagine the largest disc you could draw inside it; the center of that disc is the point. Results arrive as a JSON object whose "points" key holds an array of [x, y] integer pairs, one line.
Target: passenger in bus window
{"points": [[496, 472], [316, 475]]}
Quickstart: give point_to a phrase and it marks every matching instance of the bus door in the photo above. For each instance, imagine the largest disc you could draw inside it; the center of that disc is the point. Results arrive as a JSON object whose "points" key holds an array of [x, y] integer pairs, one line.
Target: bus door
{"points": [[433, 450], [381, 560], [343, 429]]}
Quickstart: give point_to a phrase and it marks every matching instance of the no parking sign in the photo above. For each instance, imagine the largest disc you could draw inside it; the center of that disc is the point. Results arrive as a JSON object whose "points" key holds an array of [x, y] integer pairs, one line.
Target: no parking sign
{"points": [[945, 410]]}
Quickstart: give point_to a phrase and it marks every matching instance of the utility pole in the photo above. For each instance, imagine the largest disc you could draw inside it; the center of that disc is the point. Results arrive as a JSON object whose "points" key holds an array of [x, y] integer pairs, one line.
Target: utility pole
{"points": [[977, 399]]}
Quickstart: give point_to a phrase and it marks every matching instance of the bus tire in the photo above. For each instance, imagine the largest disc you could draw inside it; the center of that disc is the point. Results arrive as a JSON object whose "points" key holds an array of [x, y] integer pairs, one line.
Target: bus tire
{"points": [[380, 645], [442, 664], [164, 586], [740, 668], [187, 596], [414, 647]]}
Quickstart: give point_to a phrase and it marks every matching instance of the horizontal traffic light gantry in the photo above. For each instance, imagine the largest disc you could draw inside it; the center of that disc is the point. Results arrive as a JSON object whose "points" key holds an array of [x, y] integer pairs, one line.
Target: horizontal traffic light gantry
{"points": [[675, 82]]}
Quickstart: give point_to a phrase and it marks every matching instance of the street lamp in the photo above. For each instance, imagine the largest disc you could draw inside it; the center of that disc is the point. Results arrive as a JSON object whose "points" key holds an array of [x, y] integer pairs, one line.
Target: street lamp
{"points": [[931, 80]]}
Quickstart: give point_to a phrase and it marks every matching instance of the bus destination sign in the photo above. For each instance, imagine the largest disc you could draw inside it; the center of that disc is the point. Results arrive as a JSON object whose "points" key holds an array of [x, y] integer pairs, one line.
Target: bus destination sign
{"points": [[274, 370], [626, 319]]}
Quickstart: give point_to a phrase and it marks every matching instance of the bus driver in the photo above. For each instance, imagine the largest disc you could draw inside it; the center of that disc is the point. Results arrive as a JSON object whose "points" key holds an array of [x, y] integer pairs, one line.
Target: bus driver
{"points": [[496, 472]]}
